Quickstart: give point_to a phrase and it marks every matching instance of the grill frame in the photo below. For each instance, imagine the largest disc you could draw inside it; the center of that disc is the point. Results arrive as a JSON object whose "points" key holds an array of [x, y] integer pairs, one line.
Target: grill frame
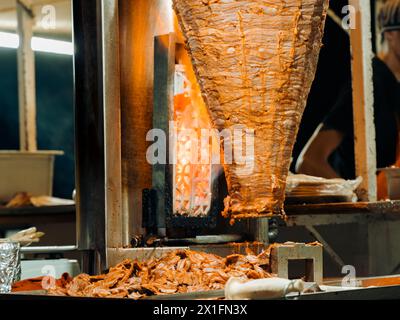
{"points": [[162, 177]]}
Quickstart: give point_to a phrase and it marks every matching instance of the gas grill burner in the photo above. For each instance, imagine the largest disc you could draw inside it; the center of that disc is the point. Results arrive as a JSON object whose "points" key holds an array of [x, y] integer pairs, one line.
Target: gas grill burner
{"points": [[191, 179], [187, 192], [184, 205]]}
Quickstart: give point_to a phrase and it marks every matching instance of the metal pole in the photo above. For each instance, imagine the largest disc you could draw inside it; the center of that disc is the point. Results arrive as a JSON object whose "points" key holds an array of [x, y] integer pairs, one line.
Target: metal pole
{"points": [[89, 133], [26, 78]]}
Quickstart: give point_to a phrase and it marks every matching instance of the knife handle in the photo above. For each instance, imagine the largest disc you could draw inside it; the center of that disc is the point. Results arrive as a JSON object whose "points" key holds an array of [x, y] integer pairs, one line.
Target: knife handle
{"points": [[270, 288]]}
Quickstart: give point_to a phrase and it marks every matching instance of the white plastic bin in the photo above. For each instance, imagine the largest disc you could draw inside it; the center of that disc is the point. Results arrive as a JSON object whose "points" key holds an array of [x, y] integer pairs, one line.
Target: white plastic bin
{"points": [[39, 268], [30, 172]]}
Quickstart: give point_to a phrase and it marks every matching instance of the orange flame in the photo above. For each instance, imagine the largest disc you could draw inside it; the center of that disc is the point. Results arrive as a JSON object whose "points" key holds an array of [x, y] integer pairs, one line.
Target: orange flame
{"points": [[193, 176]]}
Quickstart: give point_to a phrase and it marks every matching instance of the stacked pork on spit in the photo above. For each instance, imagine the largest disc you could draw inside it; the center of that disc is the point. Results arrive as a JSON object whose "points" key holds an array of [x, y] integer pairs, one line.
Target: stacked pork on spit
{"points": [[255, 61]]}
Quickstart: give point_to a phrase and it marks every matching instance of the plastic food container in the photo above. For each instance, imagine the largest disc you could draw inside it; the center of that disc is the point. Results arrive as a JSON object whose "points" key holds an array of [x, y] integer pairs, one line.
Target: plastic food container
{"points": [[30, 172], [54, 268]]}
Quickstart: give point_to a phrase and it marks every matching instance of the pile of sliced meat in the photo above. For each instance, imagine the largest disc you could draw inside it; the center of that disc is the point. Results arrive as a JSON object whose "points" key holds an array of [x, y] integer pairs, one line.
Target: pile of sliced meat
{"points": [[181, 271]]}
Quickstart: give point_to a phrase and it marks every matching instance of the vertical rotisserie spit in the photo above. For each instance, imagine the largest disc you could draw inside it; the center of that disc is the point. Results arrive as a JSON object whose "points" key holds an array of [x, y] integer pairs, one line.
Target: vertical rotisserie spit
{"points": [[255, 61]]}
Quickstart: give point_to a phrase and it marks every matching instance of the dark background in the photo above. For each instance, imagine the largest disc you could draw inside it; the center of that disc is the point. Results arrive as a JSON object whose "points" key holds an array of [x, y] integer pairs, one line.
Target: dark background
{"points": [[334, 69], [55, 120]]}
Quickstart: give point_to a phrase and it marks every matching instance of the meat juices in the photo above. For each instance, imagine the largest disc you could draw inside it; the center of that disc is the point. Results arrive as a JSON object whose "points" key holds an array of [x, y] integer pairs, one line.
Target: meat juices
{"points": [[255, 61]]}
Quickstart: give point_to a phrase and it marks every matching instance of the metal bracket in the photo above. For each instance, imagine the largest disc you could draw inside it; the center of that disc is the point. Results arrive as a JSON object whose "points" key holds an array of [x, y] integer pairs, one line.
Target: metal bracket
{"points": [[311, 254], [335, 257]]}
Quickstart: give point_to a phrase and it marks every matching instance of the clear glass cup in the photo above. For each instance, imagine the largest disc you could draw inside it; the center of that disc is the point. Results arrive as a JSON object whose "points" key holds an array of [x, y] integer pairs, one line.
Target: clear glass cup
{"points": [[9, 264]]}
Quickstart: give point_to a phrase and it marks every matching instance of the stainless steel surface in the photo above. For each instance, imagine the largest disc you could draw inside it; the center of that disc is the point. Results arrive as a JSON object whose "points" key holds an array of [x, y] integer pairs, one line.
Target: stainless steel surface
{"points": [[311, 254], [140, 22], [378, 293], [163, 100], [49, 249], [117, 224], [209, 239], [260, 229], [31, 293], [340, 218], [89, 132]]}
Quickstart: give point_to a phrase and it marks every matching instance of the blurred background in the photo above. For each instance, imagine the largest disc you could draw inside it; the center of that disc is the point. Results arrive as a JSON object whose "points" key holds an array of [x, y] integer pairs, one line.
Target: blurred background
{"points": [[54, 85]]}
